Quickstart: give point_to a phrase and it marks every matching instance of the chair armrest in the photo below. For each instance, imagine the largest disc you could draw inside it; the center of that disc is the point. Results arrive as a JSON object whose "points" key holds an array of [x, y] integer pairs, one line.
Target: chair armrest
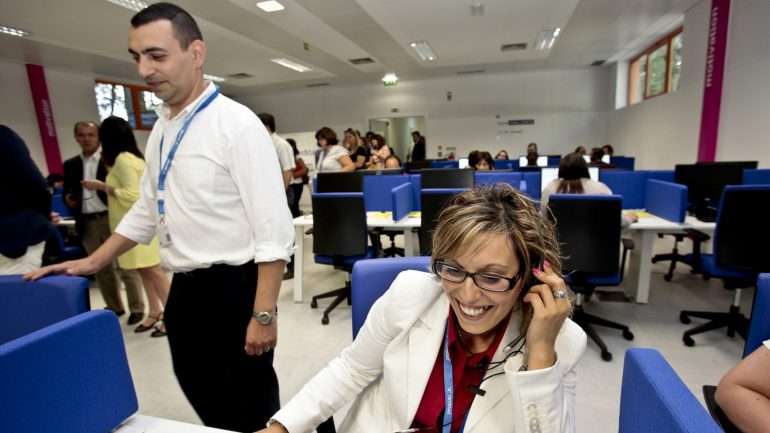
{"points": [[309, 231], [628, 244]]}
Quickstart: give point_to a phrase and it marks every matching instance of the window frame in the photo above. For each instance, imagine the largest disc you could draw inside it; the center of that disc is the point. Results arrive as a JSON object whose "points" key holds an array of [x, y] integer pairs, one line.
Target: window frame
{"points": [[665, 40], [136, 94]]}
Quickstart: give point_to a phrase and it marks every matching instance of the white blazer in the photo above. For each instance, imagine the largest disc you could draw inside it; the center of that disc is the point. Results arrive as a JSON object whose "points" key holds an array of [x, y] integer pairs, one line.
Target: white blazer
{"points": [[388, 365]]}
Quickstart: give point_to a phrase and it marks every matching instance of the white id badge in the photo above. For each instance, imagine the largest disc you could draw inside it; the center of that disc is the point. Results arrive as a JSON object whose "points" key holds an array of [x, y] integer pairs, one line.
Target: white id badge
{"points": [[163, 234]]}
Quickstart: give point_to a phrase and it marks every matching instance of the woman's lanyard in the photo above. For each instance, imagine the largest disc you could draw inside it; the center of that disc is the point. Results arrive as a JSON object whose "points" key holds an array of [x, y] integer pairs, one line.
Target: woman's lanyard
{"points": [[446, 425], [166, 165]]}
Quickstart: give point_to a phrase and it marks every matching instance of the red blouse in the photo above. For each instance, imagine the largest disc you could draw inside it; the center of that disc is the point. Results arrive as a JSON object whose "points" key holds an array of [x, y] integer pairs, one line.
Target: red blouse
{"points": [[466, 372]]}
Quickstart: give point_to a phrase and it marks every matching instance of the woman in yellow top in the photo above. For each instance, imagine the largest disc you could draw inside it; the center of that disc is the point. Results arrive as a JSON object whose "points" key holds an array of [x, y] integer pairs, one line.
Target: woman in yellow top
{"points": [[126, 162]]}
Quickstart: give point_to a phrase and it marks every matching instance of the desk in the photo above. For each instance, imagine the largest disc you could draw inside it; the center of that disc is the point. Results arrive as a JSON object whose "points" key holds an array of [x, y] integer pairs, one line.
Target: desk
{"points": [[150, 424], [69, 222], [644, 232], [373, 220]]}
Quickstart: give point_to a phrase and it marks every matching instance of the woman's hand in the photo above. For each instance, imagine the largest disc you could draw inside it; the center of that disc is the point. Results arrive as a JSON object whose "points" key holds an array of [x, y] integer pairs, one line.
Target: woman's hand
{"points": [[93, 185], [549, 313]]}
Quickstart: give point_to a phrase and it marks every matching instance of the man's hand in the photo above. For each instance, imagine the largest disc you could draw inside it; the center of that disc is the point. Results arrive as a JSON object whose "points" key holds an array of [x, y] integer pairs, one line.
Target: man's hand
{"points": [[85, 266], [261, 338]]}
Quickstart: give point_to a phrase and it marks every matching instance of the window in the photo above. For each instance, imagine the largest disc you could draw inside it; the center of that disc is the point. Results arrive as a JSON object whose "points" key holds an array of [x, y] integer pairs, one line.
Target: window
{"points": [[656, 70], [134, 103]]}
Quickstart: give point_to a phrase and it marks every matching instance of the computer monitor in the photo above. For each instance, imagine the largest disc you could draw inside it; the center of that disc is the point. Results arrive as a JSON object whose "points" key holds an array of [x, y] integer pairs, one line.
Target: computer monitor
{"points": [[549, 174], [587, 159], [340, 182], [542, 161], [415, 166], [383, 171], [705, 183], [446, 178], [463, 162], [606, 159]]}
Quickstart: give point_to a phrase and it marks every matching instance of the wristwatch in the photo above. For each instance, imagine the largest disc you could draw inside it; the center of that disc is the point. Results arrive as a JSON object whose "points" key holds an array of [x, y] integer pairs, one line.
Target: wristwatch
{"points": [[264, 317]]}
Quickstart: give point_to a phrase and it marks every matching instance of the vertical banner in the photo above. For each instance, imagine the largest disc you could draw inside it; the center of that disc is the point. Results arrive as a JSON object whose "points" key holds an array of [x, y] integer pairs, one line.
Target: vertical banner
{"points": [[45, 122], [712, 84]]}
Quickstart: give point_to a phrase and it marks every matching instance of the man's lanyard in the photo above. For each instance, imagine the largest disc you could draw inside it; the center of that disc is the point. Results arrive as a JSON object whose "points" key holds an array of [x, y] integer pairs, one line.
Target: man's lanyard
{"points": [[446, 425], [166, 165]]}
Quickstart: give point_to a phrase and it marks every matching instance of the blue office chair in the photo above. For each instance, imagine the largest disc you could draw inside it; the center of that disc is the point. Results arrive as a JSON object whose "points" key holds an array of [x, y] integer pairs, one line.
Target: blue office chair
{"points": [[654, 399], [372, 278], [71, 376], [340, 239], [588, 228], [740, 245], [26, 306], [58, 206]]}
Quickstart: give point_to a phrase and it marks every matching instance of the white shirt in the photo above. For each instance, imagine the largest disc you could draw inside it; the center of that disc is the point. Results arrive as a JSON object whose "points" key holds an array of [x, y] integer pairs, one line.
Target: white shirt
{"points": [[767, 343], [91, 203], [224, 195], [284, 151], [329, 160]]}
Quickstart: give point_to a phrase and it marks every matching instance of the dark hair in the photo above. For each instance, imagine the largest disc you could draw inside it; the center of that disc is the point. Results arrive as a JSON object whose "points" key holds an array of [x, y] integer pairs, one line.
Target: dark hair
{"points": [[117, 137], [392, 156], [485, 156], [83, 123], [596, 154], [607, 148], [185, 28], [580, 150], [327, 134], [531, 147], [268, 120], [572, 169], [502, 151], [293, 145], [416, 132], [473, 158], [532, 159]]}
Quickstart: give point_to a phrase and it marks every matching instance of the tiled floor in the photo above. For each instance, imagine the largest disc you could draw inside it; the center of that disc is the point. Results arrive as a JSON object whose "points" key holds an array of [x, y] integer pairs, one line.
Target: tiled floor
{"points": [[305, 346]]}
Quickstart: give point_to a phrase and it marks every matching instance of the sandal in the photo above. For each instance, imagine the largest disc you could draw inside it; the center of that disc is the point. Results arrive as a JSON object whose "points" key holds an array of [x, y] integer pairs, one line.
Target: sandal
{"points": [[144, 328], [160, 328]]}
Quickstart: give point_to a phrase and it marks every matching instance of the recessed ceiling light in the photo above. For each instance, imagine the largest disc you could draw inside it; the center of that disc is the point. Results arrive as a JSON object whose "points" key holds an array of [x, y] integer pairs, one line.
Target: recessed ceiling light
{"points": [[423, 50], [14, 32], [270, 6], [546, 39], [134, 5], [214, 78], [390, 79], [291, 65]]}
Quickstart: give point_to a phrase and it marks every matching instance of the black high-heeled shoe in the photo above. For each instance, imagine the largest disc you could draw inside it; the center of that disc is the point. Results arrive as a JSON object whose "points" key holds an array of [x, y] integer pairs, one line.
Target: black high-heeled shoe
{"points": [[144, 328], [159, 331]]}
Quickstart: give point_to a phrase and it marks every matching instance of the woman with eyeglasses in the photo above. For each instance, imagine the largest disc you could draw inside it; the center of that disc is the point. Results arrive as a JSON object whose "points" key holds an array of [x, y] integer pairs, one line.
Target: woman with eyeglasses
{"points": [[481, 344]]}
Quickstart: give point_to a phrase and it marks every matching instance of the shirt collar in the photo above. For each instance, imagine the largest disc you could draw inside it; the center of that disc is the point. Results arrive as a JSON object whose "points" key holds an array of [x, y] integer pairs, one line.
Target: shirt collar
{"points": [[96, 155], [164, 110]]}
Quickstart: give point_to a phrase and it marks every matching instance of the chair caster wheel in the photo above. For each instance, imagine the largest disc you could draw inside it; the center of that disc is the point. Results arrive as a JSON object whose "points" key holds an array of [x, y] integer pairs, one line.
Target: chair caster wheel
{"points": [[325, 320], [667, 277], [313, 304], [607, 356], [684, 318], [688, 341], [628, 335]]}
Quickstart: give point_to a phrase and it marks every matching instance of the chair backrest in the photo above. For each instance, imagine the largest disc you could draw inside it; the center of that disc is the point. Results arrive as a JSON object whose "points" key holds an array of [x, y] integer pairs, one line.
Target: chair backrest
{"points": [[741, 237], [71, 376], [416, 166], [588, 229], [339, 182], [58, 206], [447, 178], [654, 399], [371, 278], [28, 306], [498, 176], [433, 202], [532, 181], [756, 176], [377, 191], [339, 222], [445, 164], [759, 327]]}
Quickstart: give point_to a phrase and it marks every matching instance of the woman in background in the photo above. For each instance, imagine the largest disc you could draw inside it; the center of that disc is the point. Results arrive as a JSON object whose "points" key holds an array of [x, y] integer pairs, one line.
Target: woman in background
{"points": [[333, 157], [355, 148], [126, 166], [299, 178], [484, 162], [502, 155]]}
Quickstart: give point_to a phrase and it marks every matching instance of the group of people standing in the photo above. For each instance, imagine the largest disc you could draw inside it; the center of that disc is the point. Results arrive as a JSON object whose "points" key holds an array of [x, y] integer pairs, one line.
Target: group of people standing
{"points": [[357, 152]]}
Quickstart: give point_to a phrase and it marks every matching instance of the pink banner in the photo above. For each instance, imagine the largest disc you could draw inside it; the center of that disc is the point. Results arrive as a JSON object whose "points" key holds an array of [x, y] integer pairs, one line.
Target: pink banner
{"points": [[45, 122], [712, 85]]}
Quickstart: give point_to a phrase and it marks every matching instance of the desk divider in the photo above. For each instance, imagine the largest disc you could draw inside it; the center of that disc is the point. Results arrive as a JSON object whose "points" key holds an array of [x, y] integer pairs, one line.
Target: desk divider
{"points": [[756, 177], [630, 185], [416, 182], [377, 191], [402, 201], [667, 200]]}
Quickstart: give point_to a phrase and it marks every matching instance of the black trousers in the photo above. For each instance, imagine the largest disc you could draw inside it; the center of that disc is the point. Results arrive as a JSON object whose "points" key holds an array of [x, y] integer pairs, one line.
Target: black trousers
{"points": [[206, 317]]}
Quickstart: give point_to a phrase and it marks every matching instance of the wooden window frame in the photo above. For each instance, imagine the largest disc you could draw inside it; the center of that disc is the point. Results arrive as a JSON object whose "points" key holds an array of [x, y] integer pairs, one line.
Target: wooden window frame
{"points": [[136, 94], [666, 40]]}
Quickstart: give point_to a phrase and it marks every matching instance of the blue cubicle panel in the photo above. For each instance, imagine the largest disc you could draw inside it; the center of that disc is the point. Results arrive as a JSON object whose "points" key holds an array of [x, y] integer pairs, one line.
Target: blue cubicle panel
{"points": [[402, 200], [759, 327], [756, 177], [506, 164], [630, 185], [416, 182], [553, 161], [664, 175], [532, 181], [667, 200], [377, 191], [623, 162], [445, 164], [58, 206], [493, 177]]}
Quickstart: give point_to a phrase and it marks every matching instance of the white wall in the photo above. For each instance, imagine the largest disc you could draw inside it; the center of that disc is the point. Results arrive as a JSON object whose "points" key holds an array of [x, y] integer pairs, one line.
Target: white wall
{"points": [[72, 100], [569, 108], [664, 131]]}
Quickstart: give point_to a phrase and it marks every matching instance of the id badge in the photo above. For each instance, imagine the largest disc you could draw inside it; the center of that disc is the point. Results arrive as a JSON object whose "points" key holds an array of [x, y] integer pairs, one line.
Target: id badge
{"points": [[164, 236]]}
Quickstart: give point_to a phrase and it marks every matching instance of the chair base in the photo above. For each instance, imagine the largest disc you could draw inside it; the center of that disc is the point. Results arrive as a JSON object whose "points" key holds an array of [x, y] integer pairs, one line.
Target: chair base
{"points": [[733, 320], [339, 295], [587, 322], [392, 250], [674, 258]]}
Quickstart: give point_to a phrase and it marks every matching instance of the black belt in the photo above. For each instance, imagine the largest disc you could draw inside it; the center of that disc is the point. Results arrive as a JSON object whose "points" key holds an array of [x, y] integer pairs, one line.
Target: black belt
{"points": [[94, 215]]}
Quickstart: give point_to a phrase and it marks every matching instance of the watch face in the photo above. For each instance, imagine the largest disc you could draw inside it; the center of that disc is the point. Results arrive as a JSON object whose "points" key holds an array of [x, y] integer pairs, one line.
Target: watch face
{"points": [[264, 318]]}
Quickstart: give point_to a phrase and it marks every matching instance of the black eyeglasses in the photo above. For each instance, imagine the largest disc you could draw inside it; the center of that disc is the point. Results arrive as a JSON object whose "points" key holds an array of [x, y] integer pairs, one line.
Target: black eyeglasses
{"points": [[486, 281]]}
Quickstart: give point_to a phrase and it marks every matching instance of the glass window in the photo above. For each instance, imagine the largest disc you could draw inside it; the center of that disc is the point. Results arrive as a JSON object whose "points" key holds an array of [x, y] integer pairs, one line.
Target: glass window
{"points": [[148, 105], [638, 74], [676, 63], [113, 100], [656, 82]]}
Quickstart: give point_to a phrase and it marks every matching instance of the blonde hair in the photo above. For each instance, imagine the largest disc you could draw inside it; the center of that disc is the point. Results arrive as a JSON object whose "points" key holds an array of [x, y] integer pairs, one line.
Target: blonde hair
{"points": [[498, 209]]}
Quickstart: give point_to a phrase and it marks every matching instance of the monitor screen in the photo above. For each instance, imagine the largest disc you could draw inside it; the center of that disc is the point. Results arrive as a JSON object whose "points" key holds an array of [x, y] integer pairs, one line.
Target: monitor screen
{"points": [[339, 182], [606, 159], [587, 159], [705, 182], [446, 178], [542, 161], [463, 162], [549, 174]]}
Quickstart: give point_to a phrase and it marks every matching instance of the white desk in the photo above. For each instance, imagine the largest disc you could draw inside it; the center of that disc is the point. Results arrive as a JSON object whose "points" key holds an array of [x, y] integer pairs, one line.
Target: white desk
{"points": [[373, 220], [150, 424], [643, 233], [69, 222]]}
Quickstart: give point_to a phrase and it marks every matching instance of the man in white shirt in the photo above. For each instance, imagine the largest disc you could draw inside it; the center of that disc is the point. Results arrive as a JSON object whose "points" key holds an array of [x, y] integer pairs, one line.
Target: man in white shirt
{"points": [[282, 149], [90, 209], [218, 210]]}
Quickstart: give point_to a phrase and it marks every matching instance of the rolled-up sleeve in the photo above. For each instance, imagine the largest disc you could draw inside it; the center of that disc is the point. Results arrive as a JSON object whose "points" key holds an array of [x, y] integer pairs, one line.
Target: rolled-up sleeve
{"points": [[255, 170]]}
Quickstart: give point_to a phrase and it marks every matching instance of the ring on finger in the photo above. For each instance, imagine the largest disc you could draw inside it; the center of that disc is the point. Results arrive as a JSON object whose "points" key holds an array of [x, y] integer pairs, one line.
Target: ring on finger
{"points": [[560, 294]]}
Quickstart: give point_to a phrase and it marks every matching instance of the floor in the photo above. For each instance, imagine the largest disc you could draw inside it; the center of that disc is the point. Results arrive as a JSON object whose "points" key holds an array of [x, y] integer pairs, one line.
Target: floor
{"points": [[305, 346]]}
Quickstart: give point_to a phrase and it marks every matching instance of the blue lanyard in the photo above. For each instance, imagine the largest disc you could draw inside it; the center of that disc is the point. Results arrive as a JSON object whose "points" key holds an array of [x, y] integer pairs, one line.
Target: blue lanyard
{"points": [[449, 389], [166, 165]]}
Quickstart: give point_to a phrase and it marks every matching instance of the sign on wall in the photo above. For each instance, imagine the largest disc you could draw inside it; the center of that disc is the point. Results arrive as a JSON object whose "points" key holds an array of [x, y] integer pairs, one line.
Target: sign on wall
{"points": [[45, 121]]}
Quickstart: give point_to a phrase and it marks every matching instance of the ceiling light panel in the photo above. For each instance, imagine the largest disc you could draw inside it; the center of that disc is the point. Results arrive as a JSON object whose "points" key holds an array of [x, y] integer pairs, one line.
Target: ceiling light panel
{"points": [[134, 5], [546, 38], [214, 78], [14, 31], [423, 50], [270, 6], [286, 63]]}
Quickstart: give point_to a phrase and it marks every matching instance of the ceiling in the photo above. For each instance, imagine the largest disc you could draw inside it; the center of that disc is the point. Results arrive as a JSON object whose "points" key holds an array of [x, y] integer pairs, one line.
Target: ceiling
{"points": [[91, 36]]}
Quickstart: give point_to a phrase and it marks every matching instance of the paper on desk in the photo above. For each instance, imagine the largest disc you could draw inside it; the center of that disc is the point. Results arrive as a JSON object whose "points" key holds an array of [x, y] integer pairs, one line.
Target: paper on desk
{"points": [[384, 215], [415, 214]]}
